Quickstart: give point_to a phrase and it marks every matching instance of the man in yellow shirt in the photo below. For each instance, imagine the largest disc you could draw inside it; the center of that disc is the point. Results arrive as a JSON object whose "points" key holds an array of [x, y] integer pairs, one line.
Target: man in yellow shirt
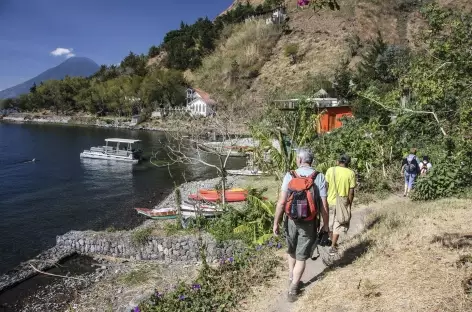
{"points": [[341, 182]]}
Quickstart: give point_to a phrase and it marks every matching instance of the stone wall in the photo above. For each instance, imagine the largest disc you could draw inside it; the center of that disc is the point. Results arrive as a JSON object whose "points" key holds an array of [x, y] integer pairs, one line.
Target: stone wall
{"points": [[168, 249]]}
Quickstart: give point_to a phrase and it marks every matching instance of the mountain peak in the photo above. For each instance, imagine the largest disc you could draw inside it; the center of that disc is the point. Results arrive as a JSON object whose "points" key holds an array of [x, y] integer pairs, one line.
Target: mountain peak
{"points": [[76, 66]]}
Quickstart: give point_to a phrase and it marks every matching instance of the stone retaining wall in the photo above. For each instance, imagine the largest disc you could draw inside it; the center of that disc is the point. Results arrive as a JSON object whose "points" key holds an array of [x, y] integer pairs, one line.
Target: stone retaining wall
{"points": [[169, 249]]}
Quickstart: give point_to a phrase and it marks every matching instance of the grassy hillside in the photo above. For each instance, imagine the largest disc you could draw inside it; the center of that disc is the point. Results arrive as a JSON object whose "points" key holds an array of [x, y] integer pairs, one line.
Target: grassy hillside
{"points": [[324, 40], [230, 71]]}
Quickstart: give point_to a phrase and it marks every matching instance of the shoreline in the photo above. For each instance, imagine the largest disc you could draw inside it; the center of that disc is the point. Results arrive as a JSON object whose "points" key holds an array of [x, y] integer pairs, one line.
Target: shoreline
{"points": [[161, 250], [168, 125]]}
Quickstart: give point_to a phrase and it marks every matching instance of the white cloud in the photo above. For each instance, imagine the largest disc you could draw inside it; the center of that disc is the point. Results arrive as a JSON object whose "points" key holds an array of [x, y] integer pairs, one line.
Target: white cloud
{"points": [[63, 52]]}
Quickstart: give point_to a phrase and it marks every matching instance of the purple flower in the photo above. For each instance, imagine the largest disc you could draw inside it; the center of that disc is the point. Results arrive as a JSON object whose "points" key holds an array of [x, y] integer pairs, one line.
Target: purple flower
{"points": [[182, 297], [136, 309], [270, 243], [159, 295], [196, 286], [258, 247], [279, 245], [230, 260]]}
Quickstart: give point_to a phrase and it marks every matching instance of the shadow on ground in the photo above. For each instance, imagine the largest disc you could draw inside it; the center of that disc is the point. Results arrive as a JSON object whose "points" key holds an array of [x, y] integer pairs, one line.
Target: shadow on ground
{"points": [[454, 240], [346, 258]]}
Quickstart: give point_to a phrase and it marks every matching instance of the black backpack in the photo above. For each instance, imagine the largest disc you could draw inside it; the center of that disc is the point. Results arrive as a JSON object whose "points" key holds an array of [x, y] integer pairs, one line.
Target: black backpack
{"points": [[411, 164]]}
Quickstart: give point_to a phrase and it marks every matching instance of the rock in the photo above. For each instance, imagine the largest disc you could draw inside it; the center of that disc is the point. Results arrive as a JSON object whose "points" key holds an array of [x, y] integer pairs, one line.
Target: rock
{"points": [[81, 242], [138, 257], [166, 251], [160, 248]]}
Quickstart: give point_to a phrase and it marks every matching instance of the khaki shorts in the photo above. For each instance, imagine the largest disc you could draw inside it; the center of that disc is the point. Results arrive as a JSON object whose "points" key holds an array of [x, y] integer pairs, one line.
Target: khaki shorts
{"points": [[301, 237], [334, 225]]}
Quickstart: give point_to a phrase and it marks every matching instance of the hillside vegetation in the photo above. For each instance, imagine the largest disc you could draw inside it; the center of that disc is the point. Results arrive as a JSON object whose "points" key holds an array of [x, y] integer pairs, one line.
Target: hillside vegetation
{"points": [[229, 71], [327, 38]]}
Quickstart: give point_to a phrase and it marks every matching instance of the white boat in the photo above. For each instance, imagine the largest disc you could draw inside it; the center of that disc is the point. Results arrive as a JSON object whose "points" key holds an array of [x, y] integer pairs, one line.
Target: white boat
{"points": [[246, 172], [188, 210], [126, 150]]}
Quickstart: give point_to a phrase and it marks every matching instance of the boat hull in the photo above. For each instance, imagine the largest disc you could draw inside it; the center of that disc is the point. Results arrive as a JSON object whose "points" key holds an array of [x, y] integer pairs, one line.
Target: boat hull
{"points": [[215, 197], [93, 155], [157, 215], [245, 172], [193, 211]]}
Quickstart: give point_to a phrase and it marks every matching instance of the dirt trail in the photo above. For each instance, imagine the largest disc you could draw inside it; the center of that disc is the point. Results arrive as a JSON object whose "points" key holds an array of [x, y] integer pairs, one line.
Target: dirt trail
{"points": [[273, 297]]}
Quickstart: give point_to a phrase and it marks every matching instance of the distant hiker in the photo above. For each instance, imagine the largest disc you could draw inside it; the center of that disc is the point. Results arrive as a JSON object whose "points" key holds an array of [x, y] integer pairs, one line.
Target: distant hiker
{"points": [[302, 197], [410, 169], [341, 184], [425, 166]]}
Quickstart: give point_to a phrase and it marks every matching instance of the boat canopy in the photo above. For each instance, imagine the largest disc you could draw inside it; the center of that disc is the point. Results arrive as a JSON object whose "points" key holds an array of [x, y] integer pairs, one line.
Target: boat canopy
{"points": [[127, 141]]}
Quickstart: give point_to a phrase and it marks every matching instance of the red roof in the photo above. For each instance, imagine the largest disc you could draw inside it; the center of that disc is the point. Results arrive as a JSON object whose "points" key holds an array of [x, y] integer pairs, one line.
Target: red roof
{"points": [[205, 96]]}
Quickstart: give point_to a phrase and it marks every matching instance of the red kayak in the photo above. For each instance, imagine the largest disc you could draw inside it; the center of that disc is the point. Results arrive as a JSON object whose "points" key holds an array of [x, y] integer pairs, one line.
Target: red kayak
{"points": [[214, 196]]}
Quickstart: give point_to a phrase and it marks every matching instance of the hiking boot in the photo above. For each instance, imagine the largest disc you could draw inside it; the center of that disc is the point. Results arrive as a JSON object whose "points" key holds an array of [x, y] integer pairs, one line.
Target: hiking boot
{"points": [[292, 293], [333, 251]]}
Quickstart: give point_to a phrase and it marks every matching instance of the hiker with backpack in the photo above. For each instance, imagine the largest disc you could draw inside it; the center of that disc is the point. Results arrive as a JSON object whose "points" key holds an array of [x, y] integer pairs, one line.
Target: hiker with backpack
{"points": [[341, 184], [425, 166], [302, 198], [410, 169]]}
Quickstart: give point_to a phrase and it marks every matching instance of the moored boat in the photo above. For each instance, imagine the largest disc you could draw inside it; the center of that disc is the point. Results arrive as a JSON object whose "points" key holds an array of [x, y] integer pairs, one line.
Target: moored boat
{"points": [[158, 214], [126, 150], [216, 196], [246, 172]]}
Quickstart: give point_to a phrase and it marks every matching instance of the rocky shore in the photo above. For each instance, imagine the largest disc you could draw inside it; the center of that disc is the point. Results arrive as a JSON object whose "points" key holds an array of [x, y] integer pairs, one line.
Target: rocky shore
{"points": [[156, 248]]}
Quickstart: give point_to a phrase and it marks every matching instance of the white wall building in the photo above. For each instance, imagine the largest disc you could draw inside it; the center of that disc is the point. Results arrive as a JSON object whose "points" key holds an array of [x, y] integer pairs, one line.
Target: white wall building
{"points": [[199, 103]]}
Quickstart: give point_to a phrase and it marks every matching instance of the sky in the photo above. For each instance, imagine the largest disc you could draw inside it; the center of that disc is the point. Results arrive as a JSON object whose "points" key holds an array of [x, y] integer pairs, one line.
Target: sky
{"points": [[36, 35]]}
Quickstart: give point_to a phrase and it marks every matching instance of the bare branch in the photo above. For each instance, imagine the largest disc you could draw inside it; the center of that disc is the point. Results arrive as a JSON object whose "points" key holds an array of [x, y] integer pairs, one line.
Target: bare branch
{"points": [[393, 109]]}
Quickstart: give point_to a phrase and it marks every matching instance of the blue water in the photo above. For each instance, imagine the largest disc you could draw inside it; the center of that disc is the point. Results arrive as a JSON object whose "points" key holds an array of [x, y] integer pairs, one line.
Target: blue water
{"points": [[60, 192]]}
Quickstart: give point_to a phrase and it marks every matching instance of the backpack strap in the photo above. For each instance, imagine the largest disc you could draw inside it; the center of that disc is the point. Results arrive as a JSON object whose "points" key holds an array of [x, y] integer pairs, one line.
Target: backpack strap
{"points": [[313, 175], [294, 174]]}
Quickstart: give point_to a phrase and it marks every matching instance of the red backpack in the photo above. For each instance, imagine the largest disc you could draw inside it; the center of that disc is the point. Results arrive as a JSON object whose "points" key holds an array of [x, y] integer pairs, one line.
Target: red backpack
{"points": [[301, 203]]}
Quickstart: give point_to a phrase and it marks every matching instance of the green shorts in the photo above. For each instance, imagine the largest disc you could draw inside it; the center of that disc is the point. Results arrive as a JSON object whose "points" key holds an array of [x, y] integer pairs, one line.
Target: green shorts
{"points": [[301, 237]]}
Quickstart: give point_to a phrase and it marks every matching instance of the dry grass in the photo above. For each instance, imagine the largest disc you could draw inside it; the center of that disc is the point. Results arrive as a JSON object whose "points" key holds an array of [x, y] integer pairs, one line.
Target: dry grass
{"points": [[416, 259], [269, 182], [229, 71], [136, 282]]}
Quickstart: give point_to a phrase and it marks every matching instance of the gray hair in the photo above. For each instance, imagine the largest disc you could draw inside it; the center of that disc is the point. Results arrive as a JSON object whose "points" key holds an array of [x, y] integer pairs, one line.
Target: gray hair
{"points": [[306, 155]]}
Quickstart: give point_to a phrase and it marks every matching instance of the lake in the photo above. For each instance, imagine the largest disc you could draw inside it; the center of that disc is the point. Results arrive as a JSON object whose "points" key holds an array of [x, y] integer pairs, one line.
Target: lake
{"points": [[60, 192]]}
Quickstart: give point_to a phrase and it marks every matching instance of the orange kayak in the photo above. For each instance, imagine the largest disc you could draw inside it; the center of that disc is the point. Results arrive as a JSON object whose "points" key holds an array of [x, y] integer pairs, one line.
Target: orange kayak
{"points": [[228, 191], [214, 197]]}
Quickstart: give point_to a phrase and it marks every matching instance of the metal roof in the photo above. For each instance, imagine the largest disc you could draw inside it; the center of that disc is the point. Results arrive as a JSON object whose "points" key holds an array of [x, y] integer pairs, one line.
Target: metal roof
{"points": [[116, 140]]}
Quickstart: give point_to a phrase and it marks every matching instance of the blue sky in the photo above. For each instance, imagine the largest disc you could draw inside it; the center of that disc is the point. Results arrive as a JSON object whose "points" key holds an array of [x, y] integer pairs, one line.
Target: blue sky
{"points": [[103, 30]]}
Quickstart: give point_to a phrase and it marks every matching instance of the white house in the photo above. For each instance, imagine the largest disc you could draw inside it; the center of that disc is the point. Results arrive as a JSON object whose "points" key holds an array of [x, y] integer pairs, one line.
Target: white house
{"points": [[199, 103]]}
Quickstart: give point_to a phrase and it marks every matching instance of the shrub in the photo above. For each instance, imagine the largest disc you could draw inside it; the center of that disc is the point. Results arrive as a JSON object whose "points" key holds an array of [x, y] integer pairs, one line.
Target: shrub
{"points": [[140, 236], [447, 178], [291, 50], [210, 291]]}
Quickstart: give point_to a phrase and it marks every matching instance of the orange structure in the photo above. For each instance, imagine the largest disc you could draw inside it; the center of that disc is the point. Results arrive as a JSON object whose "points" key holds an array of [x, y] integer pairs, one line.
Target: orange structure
{"points": [[330, 117], [330, 110]]}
